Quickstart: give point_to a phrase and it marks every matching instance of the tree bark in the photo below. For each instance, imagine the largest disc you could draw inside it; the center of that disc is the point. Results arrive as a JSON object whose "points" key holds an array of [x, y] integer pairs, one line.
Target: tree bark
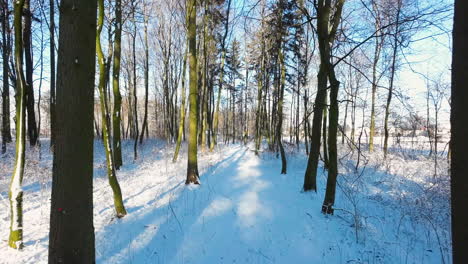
{"points": [[116, 113], [29, 99], [71, 238], [134, 84], [324, 133], [459, 129], [16, 193], [377, 51], [52, 72], [192, 163], [6, 49], [113, 182], [145, 117], [221, 78], [183, 110], [392, 77], [280, 114], [329, 201], [310, 179]]}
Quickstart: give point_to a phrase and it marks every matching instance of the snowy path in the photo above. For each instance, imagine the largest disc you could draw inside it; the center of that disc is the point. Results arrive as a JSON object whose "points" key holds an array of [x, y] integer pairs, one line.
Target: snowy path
{"points": [[240, 214]]}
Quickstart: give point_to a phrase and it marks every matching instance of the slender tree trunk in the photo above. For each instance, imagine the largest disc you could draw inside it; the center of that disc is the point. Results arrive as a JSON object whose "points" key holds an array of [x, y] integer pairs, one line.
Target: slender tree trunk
{"points": [[260, 102], [41, 66], [135, 101], [52, 72], [306, 122], [118, 202], [428, 121], [16, 193], [216, 113], [6, 131], [343, 135], [145, 117], [183, 111], [329, 200], [29, 99], [377, 50], [392, 76], [221, 77], [280, 114], [116, 113], [71, 238], [324, 133], [310, 179], [192, 166]]}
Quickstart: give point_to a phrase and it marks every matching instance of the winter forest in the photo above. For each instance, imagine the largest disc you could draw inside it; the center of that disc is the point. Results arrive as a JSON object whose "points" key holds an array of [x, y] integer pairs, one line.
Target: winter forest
{"points": [[234, 131]]}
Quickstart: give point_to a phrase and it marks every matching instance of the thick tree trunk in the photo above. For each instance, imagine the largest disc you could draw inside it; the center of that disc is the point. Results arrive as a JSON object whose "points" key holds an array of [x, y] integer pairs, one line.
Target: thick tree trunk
{"points": [[118, 202], [16, 193], [192, 163], [459, 128], [71, 238], [310, 179]]}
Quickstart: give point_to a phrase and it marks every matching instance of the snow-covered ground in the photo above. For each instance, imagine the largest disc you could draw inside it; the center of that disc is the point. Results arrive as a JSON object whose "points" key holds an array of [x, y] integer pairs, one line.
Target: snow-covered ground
{"points": [[245, 211]]}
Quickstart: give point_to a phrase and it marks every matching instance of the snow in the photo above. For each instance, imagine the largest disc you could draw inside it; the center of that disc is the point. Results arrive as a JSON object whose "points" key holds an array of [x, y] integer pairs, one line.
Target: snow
{"points": [[245, 211]]}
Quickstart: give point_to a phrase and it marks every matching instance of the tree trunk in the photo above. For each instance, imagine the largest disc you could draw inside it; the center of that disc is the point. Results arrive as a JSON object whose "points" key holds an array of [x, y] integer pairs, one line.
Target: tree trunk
{"points": [[392, 76], [52, 73], [16, 193], [6, 131], [326, 30], [280, 114], [258, 118], [29, 99], [377, 51], [183, 111], [192, 164], [135, 101], [118, 203], [145, 117], [459, 129], [116, 113], [329, 201], [310, 179], [221, 78], [343, 133], [71, 238], [324, 133]]}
